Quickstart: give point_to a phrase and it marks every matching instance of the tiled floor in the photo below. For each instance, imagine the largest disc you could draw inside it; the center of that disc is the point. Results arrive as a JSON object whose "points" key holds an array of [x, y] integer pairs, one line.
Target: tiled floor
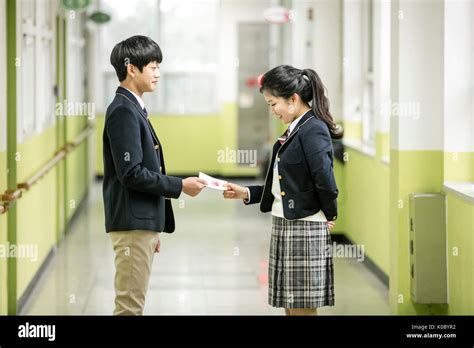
{"points": [[214, 263]]}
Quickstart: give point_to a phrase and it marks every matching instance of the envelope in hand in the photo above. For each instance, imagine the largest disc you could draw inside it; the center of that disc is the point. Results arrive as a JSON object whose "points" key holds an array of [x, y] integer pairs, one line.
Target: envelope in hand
{"points": [[213, 182]]}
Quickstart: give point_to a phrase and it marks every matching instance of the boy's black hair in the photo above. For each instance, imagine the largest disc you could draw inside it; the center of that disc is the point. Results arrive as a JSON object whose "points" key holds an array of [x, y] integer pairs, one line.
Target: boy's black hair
{"points": [[137, 50]]}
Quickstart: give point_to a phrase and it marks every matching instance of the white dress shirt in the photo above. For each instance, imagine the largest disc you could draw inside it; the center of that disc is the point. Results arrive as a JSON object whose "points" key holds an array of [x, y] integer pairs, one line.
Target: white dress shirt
{"points": [[140, 100]]}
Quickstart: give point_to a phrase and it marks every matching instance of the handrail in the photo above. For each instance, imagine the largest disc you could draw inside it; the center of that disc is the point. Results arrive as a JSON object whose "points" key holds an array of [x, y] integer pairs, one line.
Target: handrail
{"points": [[58, 156], [81, 137], [43, 171], [11, 196]]}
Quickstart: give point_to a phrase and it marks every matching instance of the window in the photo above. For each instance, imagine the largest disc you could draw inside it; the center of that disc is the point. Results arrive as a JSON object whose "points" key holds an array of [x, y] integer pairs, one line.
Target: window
{"points": [[381, 76], [189, 74], [187, 34], [368, 117], [127, 20], [35, 67], [75, 58]]}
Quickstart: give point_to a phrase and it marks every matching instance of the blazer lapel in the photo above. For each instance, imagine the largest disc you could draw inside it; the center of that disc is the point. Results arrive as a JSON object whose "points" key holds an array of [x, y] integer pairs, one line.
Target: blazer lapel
{"points": [[300, 124], [125, 93], [131, 98]]}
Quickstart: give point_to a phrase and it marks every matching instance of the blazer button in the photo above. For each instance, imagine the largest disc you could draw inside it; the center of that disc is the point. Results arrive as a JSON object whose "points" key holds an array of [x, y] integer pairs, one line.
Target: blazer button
{"points": [[283, 193], [157, 147], [279, 177]]}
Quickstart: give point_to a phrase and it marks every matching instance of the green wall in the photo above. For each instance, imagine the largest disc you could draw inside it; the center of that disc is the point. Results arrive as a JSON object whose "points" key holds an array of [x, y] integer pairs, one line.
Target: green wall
{"points": [[412, 172], [40, 216], [3, 238], [76, 167], [364, 207], [36, 210], [374, 212], [39, 207], [460, 250], [459, 166], [340, 175]]}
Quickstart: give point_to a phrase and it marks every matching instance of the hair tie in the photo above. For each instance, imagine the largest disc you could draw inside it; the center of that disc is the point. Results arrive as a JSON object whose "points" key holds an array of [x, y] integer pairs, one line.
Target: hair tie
{"points": [[260, 80]]}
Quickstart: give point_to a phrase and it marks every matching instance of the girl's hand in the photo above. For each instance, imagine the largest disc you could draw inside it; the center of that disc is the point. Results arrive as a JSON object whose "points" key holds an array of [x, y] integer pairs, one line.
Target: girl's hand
{"points": [[235, 191], [331, 224]]}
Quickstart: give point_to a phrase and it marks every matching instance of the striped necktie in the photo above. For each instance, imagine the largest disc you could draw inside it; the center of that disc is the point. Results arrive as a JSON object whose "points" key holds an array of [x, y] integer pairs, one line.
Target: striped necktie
{"points": [[283, 138]]}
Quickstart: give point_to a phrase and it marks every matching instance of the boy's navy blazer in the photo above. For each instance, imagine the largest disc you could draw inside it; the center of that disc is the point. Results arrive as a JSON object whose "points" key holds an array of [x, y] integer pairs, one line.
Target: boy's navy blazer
{"points": [[136, 188], [306, 174]]}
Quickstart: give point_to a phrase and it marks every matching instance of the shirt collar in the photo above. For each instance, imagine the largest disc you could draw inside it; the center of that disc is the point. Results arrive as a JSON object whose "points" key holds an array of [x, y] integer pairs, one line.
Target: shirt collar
{"points": [[295, 122], [140, 100]]}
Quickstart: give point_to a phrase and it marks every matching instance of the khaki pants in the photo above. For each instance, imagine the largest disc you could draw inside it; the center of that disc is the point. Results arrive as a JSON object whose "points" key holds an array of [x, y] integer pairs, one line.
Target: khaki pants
{"points": [[134, 251]]}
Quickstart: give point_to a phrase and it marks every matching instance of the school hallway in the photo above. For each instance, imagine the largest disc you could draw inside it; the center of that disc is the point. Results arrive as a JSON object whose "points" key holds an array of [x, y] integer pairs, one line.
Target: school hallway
{"points": [[404, 168], [214, 263]]}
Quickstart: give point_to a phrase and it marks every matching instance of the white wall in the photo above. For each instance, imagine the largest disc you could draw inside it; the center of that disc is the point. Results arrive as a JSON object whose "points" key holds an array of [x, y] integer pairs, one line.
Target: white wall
{"points": [[381, 60], [327, 46], [458, 76], [233, 12], [355, 64], [417, 73], [352, 61], [95, 87], [302, 31]]}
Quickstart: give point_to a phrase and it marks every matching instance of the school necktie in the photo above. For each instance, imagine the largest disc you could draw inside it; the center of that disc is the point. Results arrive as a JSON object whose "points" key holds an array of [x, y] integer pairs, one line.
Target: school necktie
{"points": [[283, 138], [151, 128]]}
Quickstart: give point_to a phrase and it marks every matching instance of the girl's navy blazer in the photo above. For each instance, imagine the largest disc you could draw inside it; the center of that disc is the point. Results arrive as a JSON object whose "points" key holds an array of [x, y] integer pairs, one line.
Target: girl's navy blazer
{"points": [[306, 173]]}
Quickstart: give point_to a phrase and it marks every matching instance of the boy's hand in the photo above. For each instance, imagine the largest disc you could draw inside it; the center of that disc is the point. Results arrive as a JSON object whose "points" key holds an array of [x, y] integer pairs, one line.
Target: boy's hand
{"points": [[193, 186], [158, 245]]}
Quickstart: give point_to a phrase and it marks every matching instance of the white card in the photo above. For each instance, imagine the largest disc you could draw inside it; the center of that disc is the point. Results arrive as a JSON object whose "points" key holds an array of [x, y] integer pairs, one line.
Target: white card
{"points": [[213, 182]]}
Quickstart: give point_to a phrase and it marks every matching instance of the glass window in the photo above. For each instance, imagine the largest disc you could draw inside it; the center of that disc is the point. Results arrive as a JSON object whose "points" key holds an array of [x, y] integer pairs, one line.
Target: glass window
{"points": [[127, 20], [189, 74], [75, 58], [45, 65], [186, 33], [35, 73], [368, 117]]}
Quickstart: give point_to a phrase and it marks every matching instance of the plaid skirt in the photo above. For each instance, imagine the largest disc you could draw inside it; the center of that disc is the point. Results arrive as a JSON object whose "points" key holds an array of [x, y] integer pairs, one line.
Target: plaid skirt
{"points": [[300, 272]]}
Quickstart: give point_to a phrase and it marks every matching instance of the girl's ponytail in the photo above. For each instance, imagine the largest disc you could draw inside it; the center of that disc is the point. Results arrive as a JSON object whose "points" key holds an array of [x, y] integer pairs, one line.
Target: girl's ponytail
{"points": [[320, 103]]}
